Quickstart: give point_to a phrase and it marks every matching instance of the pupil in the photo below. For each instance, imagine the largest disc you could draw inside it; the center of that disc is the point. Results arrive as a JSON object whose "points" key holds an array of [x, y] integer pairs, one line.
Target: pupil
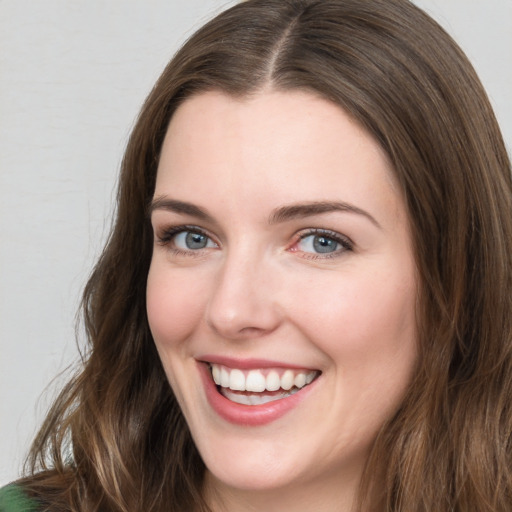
{"points": [[195, 241], [323, 244]]}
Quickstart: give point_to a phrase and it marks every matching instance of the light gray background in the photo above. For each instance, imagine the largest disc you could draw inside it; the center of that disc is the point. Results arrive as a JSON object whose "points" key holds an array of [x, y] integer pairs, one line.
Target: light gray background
{"points": [[73, 74]]}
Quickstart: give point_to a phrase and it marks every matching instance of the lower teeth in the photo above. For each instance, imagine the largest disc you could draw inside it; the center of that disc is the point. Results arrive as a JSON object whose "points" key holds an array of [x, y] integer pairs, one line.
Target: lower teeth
{"points": [[255, 398]]}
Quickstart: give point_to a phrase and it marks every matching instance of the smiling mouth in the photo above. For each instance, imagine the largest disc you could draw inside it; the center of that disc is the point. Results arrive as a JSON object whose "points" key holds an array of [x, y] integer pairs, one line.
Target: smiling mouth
{"points": [[259, 386]]}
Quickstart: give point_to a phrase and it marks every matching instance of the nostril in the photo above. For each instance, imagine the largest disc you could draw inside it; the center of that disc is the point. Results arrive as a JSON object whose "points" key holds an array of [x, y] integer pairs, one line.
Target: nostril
{"points": [[241, 306]]}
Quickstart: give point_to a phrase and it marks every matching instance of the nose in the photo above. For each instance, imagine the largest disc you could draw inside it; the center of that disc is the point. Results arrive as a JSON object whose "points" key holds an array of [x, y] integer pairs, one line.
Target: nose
{"points": [[243, 303]]}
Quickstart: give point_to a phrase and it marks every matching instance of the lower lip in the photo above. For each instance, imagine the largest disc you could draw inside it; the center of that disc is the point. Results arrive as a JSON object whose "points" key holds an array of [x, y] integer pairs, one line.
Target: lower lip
{"points": [[248, 415]]}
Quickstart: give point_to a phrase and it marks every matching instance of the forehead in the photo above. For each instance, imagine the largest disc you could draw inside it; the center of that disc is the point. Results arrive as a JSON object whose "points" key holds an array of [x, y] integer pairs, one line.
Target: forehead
{"points": [[285, 145]]}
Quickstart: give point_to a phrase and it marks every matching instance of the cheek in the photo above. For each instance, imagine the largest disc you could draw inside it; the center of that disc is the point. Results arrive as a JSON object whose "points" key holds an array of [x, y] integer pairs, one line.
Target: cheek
{"points": [[362, 318], [368, 331], [174, 305]]}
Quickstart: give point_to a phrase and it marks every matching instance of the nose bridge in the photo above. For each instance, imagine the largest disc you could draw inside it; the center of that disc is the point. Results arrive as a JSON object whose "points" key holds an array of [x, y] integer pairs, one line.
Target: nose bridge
{"points": [[242, 302]]}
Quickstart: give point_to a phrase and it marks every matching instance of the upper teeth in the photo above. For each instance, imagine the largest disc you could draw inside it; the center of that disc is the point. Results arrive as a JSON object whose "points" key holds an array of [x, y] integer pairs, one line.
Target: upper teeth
{"points": [[260, 380]]}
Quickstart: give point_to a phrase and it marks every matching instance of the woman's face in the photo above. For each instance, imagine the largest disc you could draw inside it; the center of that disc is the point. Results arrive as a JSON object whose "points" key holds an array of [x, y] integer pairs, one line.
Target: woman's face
{"points": [[282, 266]]}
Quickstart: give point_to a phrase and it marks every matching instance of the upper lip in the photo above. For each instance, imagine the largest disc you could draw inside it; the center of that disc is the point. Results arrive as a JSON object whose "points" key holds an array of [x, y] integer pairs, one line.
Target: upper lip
{"points": [[250, 363]]}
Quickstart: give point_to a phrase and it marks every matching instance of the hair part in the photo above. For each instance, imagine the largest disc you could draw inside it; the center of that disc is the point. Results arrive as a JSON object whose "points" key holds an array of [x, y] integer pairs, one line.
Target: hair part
{"points": [[398, 74]]}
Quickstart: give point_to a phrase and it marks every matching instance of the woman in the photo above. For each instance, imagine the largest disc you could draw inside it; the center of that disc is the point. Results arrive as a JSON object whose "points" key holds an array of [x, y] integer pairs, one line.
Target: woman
{"points": [[305, 300]]}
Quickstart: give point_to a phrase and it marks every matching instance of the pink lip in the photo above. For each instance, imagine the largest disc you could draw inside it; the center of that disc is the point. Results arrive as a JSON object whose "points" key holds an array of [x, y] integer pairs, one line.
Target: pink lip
{"points": [[249, 364], [248, 415]]}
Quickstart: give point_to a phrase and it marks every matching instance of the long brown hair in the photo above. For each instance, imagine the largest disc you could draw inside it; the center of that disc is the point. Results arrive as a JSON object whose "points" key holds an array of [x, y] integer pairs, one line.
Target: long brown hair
{"points": [[116, 440]]}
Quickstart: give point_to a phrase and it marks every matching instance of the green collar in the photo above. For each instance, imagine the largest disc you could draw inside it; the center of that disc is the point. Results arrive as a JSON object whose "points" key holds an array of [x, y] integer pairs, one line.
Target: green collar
{"points": [[13, 499]]}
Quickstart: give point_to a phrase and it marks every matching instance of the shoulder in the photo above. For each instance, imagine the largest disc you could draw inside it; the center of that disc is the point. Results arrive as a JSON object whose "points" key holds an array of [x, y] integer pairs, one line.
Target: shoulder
{"points": [[14, 499]]}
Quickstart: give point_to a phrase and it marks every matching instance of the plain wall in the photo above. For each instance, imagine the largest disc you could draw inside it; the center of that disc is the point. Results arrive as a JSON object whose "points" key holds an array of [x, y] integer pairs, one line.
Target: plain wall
{"points": [[73, 75]]}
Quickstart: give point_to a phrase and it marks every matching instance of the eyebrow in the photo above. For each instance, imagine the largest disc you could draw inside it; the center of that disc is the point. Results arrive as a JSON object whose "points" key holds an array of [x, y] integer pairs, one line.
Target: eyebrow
{"points": [[279, 215], [173, 205], [298, 211]]}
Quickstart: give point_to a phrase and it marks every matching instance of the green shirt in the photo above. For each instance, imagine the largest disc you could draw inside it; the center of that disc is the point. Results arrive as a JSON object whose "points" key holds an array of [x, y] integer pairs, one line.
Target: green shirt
{"points": [[13, 499]]}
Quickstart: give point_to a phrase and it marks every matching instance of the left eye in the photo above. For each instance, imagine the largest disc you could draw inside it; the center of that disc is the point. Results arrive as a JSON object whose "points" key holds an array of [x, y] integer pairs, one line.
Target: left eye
{"points": [[319, 244], [192, 241]]}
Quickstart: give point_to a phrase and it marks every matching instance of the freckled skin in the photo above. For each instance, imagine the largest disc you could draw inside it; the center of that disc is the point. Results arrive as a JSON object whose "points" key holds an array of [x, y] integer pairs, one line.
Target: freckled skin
{"points": [[259, 290]]}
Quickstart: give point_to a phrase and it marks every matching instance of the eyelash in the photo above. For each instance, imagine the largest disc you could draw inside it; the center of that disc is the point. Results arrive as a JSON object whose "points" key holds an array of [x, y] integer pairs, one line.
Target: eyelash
{"points": [[345, 243], [167, 235], [166, 238]]}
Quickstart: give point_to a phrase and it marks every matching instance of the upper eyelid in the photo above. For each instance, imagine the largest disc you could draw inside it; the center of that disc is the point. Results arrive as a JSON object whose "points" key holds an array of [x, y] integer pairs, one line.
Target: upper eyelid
{"points": [[177, 213], [162, 222], [171, 231], [329, 233]]}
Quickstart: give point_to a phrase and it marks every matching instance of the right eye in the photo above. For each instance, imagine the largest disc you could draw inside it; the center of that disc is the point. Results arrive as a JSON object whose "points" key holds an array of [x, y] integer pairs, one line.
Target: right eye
{"points": [[185, 240], [192, 241]]}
